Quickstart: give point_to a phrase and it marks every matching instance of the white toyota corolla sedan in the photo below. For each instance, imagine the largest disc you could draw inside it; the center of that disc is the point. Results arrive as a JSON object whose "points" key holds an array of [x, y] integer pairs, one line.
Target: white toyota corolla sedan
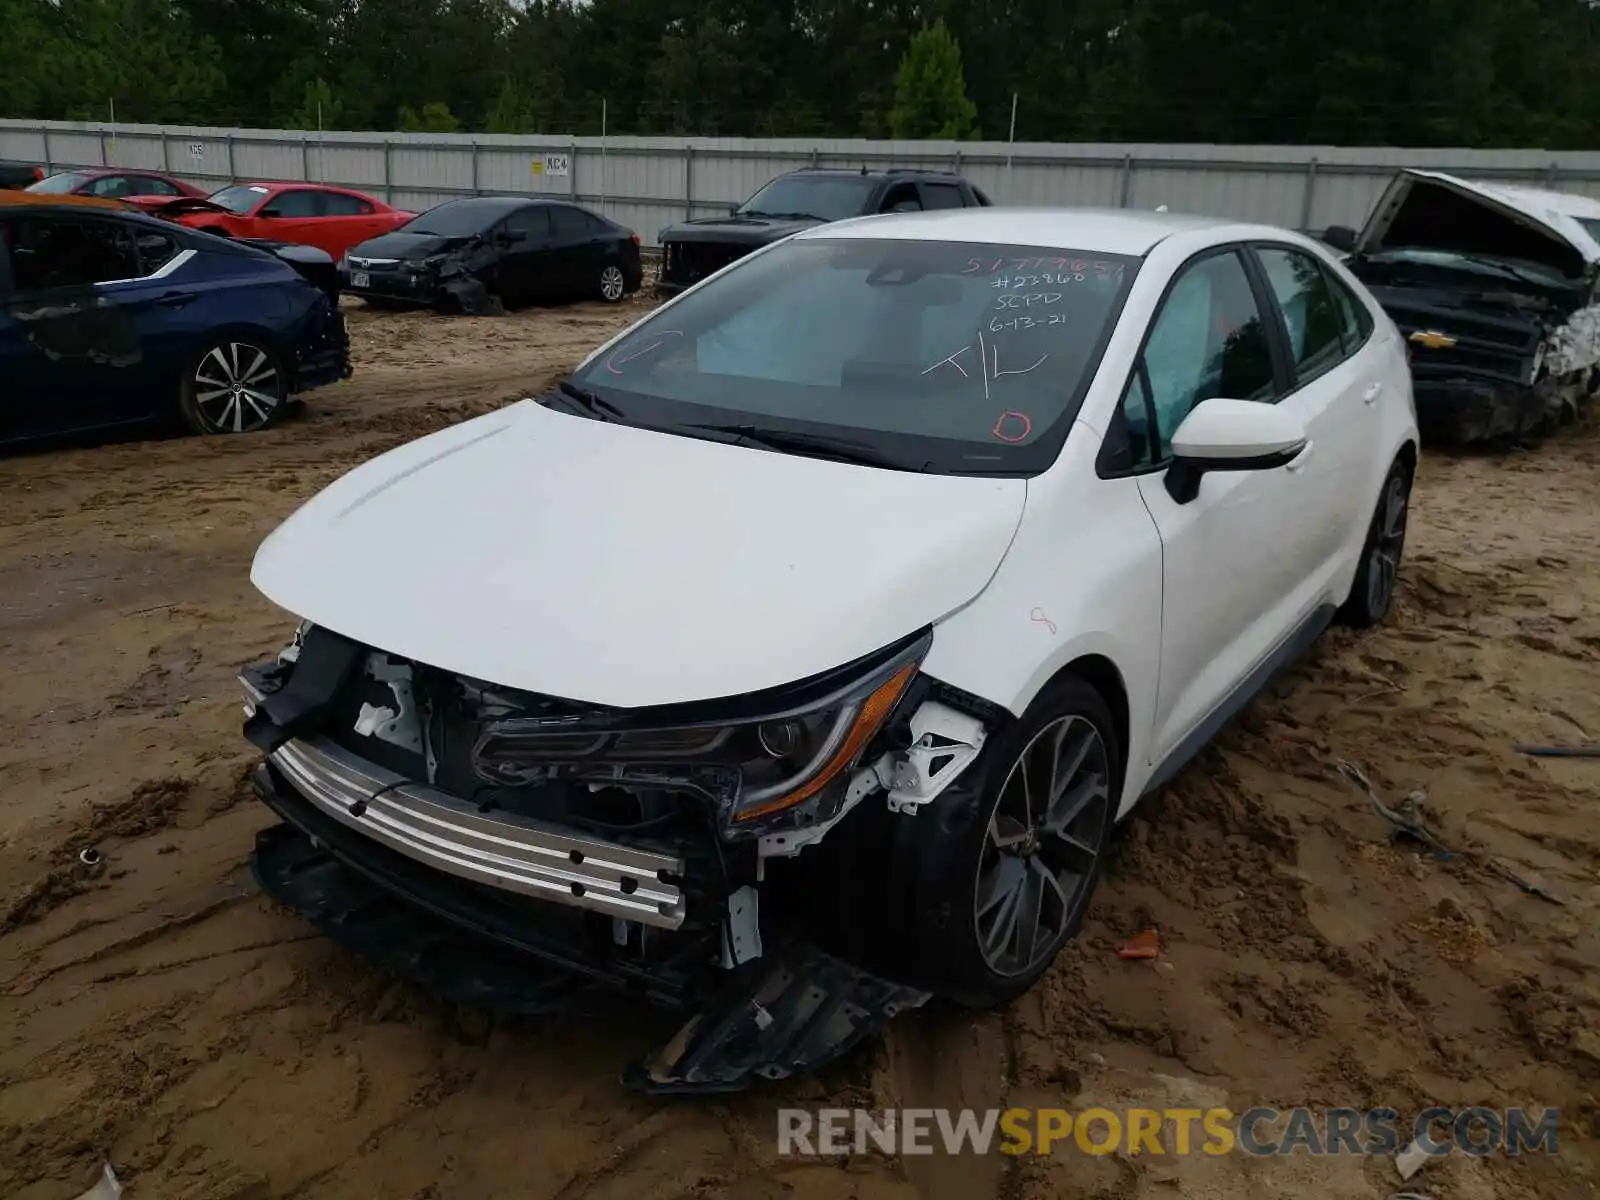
{"points": [[820, 628]]}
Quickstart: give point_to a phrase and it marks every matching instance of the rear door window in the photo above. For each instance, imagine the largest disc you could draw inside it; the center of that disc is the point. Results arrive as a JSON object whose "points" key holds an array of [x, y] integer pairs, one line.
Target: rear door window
{"points": [[60, 252], [151, 185], [337, 204], [1313, 322], [941, 195], [155, 250], [568, 223], [533, 220], [298, 203]]}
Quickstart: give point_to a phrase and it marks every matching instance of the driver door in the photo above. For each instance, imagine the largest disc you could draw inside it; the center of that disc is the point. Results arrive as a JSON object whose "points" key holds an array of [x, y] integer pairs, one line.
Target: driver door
{"points": [[289, 216], [1237, 574]]}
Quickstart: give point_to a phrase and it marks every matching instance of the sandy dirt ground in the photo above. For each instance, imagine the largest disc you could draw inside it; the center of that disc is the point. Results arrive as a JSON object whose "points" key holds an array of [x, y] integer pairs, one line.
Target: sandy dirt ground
{"points": [[156, 1011]]}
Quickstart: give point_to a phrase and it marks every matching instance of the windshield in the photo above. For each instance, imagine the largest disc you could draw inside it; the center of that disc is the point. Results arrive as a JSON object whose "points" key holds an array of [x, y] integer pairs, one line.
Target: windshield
{"points": [[454, 218], [826, 197], [940, 356], [1478, 264], [1591, 226], [240, 199], [60, 183]]}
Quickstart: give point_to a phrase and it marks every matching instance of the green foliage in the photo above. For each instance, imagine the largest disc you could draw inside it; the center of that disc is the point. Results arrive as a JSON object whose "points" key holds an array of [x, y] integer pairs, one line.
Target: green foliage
{"points": [[432, 117], [930, 95], [510, 112], [1425, 73]]}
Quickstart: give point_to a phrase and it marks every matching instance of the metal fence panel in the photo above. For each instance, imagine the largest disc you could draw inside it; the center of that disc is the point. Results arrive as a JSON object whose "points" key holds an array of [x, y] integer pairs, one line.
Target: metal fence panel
{"points": [[649, 183]]}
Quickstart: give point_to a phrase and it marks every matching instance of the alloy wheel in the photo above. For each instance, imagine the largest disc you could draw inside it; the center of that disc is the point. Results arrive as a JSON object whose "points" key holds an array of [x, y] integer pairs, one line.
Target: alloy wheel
{"points": [[237, 387], [1044, 839], [1384, 566], [612, 284]]}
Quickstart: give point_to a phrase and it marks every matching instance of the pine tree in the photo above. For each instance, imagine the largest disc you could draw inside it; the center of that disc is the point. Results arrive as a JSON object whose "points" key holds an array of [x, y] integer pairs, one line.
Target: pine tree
{"points": [[930, 96]]}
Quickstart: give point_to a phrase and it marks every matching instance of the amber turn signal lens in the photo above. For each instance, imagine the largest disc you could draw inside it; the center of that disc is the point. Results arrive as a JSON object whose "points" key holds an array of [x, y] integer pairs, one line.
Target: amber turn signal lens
{"points": [[873, 712]]}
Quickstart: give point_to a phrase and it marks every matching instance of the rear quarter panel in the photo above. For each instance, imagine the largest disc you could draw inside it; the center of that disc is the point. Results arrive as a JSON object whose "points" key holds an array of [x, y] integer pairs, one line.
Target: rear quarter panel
{"points": [[232, 292]]}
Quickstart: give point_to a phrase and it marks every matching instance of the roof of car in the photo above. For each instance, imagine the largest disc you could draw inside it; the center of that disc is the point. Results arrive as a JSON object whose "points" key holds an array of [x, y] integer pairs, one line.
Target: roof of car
{"points": [[1102, 230], [10, 198]]}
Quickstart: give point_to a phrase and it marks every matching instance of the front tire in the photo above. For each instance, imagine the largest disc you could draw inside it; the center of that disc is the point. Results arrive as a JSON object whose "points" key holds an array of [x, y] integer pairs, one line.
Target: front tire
{"points": [[235, 385], [1009, 859], [613, 284], [1372, 592]]}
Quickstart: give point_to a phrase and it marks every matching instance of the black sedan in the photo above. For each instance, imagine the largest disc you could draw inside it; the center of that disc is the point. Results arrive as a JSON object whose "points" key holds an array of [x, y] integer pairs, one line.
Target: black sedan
{"points": [[111, 318], [475, 255]]}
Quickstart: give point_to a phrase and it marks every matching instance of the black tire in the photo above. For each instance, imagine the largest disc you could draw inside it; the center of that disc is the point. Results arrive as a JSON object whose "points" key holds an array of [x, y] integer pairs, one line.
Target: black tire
{"points": [[949, 862], [1372, 592], [236, 384], [612, 284]]}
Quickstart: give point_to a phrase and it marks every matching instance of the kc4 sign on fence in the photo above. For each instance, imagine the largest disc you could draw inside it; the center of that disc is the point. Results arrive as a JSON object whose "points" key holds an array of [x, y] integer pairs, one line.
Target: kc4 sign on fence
{"points": [[553, 164]]}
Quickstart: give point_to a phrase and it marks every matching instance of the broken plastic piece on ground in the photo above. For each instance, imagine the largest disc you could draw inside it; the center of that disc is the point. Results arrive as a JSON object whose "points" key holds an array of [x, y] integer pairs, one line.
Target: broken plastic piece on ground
{"points": [[1411, 1160], [1142, 945], [107, 1187], [1558, 751], [1404, 821], [788, 1014]]}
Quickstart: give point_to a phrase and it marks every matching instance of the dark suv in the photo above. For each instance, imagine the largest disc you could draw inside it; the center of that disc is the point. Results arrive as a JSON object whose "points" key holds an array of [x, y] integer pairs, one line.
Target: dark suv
{"points": [[799, 200]]}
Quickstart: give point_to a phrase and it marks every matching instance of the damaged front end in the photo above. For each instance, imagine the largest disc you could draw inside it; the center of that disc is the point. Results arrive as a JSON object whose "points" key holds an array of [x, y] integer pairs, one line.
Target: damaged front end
{"points": [[514, 851], [457, 277], [1497, 302]]}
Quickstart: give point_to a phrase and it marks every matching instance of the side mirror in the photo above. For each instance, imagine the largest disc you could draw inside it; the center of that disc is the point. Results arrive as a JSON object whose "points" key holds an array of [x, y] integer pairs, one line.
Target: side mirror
{"points": [[733, 209], [510, 236], [1341, 237], [1231, 435], [270, 211]]}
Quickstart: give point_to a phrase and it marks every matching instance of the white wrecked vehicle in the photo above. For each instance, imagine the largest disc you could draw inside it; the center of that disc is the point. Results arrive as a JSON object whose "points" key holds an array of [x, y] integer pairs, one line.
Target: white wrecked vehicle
{"points": [[795, 658], [1494, 287]]}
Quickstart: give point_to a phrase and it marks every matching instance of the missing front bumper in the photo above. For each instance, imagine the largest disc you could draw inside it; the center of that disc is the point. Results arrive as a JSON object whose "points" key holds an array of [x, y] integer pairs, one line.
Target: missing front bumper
{"points": [[788, 1014]]}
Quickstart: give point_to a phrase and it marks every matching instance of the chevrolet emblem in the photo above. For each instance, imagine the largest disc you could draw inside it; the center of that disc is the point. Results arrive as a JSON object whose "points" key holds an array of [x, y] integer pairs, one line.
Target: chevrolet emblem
{"points": [[1432, 339]]}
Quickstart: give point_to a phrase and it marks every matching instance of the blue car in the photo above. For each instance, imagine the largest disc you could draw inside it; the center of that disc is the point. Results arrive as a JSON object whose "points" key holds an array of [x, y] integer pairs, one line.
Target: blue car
{"points": [[111, 318]]}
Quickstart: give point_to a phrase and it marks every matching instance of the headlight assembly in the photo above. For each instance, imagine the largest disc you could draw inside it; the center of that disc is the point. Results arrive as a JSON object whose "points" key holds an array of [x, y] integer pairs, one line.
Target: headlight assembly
{"points": [[781, 763]]}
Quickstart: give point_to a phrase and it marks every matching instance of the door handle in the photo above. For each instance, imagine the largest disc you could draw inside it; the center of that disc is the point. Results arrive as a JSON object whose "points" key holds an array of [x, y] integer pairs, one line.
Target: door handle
{"points": [[1301, 459], [176, 299], [1370, 396]]}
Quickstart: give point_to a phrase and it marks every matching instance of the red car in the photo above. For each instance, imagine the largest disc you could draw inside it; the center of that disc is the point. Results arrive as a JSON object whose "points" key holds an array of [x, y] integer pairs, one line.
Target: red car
{"points": [[311, 214], [144, 188]]}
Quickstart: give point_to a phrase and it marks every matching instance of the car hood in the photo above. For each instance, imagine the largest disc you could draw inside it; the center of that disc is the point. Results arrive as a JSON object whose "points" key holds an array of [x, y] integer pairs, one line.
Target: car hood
{"points": [[407, 247], [598, 562], [1437, 211], [736, 231]]}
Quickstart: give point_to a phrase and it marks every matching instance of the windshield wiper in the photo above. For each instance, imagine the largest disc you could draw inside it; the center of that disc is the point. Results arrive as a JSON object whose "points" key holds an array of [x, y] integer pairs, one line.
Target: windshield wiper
{"points": [[818, 445], [588, 402]]}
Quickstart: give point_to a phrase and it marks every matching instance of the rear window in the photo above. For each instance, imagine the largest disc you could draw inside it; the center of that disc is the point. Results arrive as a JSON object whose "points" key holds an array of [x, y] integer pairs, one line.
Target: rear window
{"points": [[965, 356]]}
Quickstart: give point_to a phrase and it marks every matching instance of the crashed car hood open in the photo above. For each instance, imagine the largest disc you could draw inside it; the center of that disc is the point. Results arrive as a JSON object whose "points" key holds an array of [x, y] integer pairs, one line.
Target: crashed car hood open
{"points": [[619, 566], [1406, 209]]}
